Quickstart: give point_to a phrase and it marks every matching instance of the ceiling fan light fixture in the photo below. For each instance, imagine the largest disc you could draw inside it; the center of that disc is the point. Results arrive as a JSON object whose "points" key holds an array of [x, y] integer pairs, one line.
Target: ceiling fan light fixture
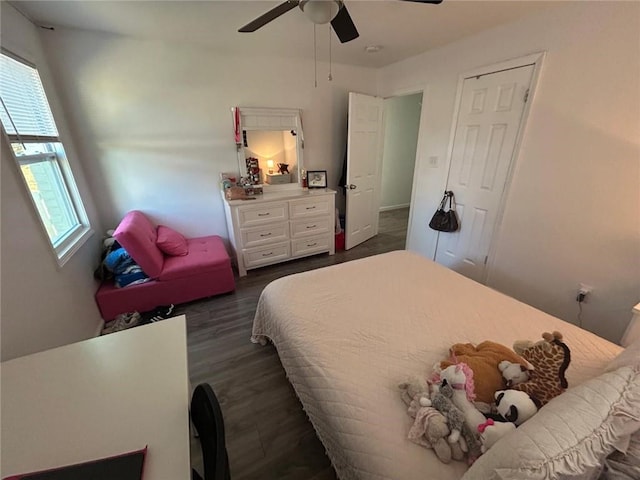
{"points": [[320, 11]]}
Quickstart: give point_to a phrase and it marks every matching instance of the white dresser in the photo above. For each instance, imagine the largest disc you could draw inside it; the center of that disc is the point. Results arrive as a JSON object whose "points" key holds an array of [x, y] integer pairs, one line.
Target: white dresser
{"points": [[276, 227]]}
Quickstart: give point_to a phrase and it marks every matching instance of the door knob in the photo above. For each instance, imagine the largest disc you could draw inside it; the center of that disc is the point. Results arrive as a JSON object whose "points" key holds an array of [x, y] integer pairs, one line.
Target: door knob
{"points": [[351, 186]]}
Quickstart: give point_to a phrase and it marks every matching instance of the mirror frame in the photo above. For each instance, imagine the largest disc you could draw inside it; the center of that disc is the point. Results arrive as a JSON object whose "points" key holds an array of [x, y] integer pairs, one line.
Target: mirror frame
{"points": [[271, 119]]}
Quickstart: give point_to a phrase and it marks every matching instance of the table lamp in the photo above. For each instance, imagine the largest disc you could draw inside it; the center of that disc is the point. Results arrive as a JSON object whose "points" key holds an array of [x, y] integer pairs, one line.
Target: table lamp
{"points": [[270, 166]]}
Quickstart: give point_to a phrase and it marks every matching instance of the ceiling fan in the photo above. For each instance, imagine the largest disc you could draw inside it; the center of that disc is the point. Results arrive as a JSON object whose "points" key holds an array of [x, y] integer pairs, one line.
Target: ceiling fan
{"points": [[319, 12]]}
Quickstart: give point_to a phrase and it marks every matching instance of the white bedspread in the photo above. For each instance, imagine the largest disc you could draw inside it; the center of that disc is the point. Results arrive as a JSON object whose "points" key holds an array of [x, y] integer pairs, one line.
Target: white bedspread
{"points": [[348, 334]]}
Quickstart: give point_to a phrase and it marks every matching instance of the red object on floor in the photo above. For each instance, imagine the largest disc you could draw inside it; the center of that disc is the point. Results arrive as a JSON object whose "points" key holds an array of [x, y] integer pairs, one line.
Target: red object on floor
{"points": [[339, 241]]}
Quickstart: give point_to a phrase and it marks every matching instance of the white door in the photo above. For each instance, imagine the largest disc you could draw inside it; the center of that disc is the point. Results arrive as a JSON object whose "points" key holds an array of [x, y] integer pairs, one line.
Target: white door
{"points": [[364, 158], [489, 118]]}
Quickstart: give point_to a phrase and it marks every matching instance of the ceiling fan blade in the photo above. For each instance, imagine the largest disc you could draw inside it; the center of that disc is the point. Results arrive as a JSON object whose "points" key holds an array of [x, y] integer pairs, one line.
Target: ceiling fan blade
{"points": [[435, 2], [272, 14], [343, 25]]}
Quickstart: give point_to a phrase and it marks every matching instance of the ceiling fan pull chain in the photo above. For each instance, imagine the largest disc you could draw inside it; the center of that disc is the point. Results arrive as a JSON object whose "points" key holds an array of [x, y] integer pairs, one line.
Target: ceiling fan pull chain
{"points": [[315, 58], [330, 76]]}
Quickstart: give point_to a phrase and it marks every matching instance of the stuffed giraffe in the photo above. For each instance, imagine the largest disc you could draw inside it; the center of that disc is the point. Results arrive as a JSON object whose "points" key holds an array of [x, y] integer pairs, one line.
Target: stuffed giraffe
{"points": [[550, 358]]}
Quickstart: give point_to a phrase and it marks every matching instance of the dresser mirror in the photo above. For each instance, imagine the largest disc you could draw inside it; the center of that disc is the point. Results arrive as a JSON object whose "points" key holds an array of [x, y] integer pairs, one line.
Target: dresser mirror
{"points": [[270, 144]]}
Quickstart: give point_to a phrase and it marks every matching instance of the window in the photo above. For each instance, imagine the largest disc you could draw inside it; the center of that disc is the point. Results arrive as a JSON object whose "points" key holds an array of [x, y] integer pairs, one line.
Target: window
{"points": [[29, 125]]}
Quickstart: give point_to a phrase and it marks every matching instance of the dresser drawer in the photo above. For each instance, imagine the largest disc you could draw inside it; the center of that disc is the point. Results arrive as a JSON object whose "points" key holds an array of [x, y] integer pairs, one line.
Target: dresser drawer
{"points": [[255, 257], [265, 234], [307, 246], [311, 226], [308, 207], [261, 214]]}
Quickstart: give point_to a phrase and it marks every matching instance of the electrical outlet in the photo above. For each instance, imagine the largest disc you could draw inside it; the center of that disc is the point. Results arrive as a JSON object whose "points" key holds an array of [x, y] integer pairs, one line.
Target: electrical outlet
{"points": [[583, 291]]}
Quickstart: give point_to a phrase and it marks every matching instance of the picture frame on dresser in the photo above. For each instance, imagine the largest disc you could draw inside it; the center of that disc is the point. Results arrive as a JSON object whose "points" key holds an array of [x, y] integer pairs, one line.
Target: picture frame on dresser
{"points": [[317, 179]]}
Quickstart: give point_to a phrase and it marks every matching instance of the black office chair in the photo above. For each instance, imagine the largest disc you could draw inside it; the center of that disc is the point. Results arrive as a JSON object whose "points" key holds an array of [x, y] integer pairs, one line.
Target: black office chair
{"points": [[207, 419]]}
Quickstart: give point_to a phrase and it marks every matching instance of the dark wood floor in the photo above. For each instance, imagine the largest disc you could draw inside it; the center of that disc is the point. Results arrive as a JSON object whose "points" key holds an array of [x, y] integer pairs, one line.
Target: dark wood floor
{"points": [[268, 434]]}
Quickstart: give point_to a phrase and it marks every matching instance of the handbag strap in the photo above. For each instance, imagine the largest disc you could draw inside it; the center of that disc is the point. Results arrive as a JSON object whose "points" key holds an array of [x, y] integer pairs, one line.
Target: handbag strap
{"points": [[447, 194], [443, 202]]}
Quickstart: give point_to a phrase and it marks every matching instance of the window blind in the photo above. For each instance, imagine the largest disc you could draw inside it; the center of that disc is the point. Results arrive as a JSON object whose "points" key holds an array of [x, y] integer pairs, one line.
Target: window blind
{"points": [[24, 108]]}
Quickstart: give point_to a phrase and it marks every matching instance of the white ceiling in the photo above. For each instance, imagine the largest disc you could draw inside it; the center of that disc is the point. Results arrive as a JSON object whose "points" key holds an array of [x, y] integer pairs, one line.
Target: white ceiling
{"points": [[403, 29]]}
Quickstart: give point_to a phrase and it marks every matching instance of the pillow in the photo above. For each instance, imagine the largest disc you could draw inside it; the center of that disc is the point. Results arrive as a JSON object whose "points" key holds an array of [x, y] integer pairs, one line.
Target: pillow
{"points": [[171, 242], [629, 357], [569, 437]]}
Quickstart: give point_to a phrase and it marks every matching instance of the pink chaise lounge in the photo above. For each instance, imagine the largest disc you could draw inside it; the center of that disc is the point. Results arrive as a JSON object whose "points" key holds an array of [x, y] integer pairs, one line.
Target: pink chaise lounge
{"points": [[204, 271]]}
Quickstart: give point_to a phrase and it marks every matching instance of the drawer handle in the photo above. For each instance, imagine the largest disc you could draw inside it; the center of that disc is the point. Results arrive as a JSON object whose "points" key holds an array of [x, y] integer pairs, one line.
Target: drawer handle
{"points": [[311, 226], [264, 214], [267, 254], [312, 244], [265, 234], [311, 208]]}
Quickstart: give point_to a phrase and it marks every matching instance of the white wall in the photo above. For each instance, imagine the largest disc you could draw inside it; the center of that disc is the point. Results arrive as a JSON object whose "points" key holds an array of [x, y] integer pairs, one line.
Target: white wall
{"points": [[42, 305], [573, 209], [402, 122], [155, 126], [152, 128]]}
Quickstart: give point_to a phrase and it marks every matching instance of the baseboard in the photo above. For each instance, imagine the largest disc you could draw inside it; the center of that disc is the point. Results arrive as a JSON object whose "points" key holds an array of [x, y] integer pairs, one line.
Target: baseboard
{"points": [[394, 207]]}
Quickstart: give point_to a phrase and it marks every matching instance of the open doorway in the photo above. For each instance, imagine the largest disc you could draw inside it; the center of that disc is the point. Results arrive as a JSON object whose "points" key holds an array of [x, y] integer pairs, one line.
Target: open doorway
{"points": [[401, 126]]}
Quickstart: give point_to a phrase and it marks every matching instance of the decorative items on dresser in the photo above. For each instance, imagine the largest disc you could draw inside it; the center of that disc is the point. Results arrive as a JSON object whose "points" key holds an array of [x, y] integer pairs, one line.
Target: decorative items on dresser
{"points": [[276, 227]]}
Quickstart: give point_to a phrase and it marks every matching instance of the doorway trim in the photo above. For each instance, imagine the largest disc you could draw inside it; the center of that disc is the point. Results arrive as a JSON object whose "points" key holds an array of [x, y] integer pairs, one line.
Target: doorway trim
{"points": [[535, 59]]}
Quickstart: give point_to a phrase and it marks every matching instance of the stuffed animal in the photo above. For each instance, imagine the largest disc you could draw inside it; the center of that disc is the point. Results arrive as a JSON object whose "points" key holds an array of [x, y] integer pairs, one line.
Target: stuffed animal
{"points": [[410, 392], [430, 427], [515, 406], [444, 404], [550, 359], [520, 346], [513, 373], [483, 360], [491, 432], [460, 378], [443, 401]]}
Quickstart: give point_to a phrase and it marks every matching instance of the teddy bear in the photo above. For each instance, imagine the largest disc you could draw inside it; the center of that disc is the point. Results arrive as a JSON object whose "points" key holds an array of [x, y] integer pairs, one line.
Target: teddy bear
{"points": [[483, 359], [410, 392], [550, 358], [430, 427], [513, 373]]}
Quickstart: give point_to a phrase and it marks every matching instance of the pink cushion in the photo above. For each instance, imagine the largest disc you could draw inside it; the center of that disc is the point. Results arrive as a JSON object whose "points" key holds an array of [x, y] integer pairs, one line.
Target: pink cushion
{"points": [[138, 236], [206, 254], [171, 242]]}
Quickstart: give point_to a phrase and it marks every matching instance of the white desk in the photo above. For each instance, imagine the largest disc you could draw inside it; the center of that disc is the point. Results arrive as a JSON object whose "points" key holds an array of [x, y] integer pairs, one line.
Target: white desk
{"points": [[98, 398]]}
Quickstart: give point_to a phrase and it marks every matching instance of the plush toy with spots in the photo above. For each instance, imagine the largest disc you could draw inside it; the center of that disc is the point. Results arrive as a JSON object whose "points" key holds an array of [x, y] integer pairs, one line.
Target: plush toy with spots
{"points": [[550, 359]]}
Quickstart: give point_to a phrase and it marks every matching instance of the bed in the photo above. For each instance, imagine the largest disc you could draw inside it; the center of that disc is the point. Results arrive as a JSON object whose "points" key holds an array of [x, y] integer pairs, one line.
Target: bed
{"points": [[349, 333]]}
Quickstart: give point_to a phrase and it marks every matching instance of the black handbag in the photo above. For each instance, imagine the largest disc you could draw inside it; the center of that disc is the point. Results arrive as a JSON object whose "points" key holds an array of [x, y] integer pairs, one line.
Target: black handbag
{"points": [[445, 221]]}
